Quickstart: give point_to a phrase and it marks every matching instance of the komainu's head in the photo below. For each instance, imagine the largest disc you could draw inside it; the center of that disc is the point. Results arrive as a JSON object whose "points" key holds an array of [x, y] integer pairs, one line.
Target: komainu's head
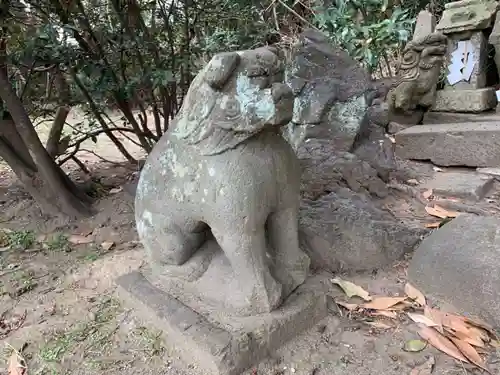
{"points": [[235, 96]]}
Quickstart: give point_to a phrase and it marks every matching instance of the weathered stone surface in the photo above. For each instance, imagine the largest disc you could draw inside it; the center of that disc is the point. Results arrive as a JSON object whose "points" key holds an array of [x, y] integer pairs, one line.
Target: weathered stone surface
{"points": [[343, 172], [494, 172], [465, 15], [461, 144], [231, 347], [460, 185], [330, 90], [379, 114], [342, 223], [223, 169], [415, 88], [465, 100], [459, 264], [395, 127], [494, 40], [344, 230], [454, 117], [425, 24]]}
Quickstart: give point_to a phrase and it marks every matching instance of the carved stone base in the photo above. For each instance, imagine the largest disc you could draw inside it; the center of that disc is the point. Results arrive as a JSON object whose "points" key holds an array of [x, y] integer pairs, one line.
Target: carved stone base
{"points": [[232, 346], [207, 282], [472, 101]]}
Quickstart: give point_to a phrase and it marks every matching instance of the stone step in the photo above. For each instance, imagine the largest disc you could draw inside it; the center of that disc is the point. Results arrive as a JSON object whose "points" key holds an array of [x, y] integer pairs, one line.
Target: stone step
{"points": [[450, 117], [468, 185], [458, 144]]}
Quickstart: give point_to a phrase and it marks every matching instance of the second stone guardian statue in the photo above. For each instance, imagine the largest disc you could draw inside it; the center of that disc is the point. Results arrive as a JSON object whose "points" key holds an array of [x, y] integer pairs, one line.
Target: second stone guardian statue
{"points": [[218, 198]]}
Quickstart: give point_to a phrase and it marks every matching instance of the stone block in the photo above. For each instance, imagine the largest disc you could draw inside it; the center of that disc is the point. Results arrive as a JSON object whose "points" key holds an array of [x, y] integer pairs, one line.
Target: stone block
{"points": [[493, 172], [474, 101], [453, 117], [460, 185], [228, 348], [466, 15], [425, 24], [461, 144], [460, 264]]}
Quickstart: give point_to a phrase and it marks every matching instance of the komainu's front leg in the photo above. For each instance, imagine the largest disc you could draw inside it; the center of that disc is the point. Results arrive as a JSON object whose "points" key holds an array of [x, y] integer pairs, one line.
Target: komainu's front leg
{"points": [[291, 264], [247, 254]]}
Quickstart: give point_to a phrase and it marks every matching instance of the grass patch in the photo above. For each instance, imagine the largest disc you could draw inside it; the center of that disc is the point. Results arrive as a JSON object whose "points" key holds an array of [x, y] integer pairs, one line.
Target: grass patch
{"points": [[59, 242], [21, 282], [152, 341], [20, 239], [87, 336]]}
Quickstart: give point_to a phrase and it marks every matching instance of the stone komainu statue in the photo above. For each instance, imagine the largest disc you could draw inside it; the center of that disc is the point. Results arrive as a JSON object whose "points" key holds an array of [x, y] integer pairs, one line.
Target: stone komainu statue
{"points": [[419, 72], [224, 170]]}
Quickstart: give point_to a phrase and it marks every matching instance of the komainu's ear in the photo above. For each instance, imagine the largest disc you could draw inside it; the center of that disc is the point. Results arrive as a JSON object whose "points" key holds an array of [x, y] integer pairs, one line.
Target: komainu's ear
{"points": [[220, 69]]}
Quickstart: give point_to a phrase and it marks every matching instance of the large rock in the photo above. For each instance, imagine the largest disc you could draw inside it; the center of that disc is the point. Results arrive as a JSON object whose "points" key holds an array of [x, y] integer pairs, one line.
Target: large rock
{"points": [[345, 156], [461, 144], [330, 89], [460, 264], [345, 231]]}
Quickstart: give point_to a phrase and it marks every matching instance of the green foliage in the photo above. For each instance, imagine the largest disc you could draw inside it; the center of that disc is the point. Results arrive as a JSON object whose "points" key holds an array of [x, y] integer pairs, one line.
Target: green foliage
{"points": [[59, 242], [21, 239], [365, 28]]}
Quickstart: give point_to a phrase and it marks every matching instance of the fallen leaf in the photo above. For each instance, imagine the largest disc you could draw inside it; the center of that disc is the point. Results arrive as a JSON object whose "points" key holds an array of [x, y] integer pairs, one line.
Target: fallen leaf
{"points": [[480, 324], [448, 213], [400, 306], [415, 346], [437, 224], [422, 319], [387, 314], [348, 306], [351, 289], [77, 239], [412, 181], [473, 340], [115, 190], [479, 333], [440, 212], [383, 303], [434, 212], [425, 368], [456, 323], [107, 245], [415, 294], [470, 353], [441, 343], [16, 366], [427, 194], [379, 325]]}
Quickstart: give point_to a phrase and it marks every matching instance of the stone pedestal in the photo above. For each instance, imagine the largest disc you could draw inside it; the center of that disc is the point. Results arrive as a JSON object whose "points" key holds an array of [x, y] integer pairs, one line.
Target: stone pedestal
{"points": [[232, 345], [469, 101]]}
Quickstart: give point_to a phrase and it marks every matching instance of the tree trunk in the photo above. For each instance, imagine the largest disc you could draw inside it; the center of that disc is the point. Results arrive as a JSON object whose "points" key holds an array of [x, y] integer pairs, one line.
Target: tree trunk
{"points": [[41, 176]]}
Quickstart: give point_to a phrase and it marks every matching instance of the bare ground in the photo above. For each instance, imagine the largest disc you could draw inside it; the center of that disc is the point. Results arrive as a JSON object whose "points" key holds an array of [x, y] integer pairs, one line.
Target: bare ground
{"points": [[58, 300]]}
